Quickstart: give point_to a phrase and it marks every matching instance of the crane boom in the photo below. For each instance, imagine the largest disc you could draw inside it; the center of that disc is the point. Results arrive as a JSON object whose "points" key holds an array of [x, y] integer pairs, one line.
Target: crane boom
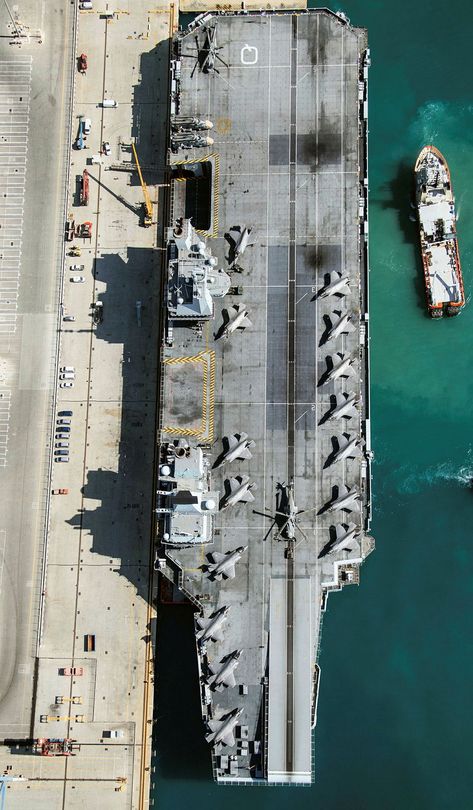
{"points": [[148, 206]]}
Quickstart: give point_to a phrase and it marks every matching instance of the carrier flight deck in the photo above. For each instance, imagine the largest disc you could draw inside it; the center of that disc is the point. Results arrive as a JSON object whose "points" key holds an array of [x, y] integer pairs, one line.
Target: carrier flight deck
{"points": [[264, 489]]}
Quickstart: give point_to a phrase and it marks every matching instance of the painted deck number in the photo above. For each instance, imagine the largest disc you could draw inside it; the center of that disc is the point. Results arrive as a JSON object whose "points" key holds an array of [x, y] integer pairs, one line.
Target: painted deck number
{"points": [[249, 55]]}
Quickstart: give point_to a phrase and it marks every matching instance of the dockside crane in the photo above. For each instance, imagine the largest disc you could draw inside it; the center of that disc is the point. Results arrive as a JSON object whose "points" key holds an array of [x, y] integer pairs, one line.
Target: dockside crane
{"points": [[147, 205]]}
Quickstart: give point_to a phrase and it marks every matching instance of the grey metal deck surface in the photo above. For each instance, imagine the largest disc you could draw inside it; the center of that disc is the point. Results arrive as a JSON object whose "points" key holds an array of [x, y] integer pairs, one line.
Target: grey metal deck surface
{"points": [[289, 135]]}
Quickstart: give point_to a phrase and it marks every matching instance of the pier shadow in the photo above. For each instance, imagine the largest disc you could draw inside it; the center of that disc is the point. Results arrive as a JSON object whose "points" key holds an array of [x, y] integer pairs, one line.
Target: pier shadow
{"points": [[181, 750], [399, 195]]}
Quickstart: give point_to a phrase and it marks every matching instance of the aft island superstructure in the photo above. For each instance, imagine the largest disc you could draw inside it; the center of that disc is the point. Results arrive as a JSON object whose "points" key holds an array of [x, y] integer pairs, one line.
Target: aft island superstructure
{"points": [[264, 487], [438, 234]]}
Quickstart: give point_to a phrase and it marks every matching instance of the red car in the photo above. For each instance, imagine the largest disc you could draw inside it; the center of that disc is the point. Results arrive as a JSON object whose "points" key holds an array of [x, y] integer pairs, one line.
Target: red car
{"points": [[82, 63]]}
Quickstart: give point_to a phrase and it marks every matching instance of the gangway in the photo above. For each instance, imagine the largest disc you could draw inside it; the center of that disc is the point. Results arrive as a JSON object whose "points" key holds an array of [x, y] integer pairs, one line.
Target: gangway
{"points": [[147, 205]]}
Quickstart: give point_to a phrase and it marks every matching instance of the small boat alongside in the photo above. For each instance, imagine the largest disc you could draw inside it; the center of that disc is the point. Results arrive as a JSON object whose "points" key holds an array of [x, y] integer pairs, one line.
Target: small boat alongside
{"points": [[438, 234]]}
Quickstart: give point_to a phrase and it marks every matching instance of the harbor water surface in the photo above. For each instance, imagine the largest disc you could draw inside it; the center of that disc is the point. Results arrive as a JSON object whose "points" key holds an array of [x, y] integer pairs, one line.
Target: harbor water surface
{"points": [[395, 718]]}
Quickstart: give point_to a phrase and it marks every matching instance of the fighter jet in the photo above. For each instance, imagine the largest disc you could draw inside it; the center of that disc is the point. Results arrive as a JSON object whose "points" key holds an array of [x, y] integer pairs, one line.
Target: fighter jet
{"points": [[346, 408], [344, 535], [223, 676], [238, 319], [241, 242], [239, 491], [238, 447], [341, 325], [348, 499], [223, 565], [341, 369], [211, 628], [347, 448], [222, 732], [339, 285]]}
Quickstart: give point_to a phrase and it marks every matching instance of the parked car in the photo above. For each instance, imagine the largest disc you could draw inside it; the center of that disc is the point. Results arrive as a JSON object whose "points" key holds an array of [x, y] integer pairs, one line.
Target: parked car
{"points": [[86, 5], [61, 444], [76, 268], [67, 384], [87, 125], [62, 436], [77, 279], [61, 452], [106, 148], [65, 413], [63, 428], [61, 458], [63, 421], [64, 369], [69, 318]]}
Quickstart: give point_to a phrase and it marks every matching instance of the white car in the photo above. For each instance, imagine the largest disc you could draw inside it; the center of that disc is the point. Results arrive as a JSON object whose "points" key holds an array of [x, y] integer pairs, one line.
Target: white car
{"points": [[62, 436], [61, 444], [106, 148], [76, 268], [61, 458], [67, 384], [77, 279], [69, 318], [87, 125]]}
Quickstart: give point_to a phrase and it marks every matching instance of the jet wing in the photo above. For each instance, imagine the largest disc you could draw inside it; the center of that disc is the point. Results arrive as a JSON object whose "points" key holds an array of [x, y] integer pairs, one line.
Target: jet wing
{"points": [[229, 738], [217, 556], [245, 453], [246, 322], [214, 726], [232, 441], [229, 679], [229, 573], [234, 484], [342, 490], [248, 496], [217, 634]]}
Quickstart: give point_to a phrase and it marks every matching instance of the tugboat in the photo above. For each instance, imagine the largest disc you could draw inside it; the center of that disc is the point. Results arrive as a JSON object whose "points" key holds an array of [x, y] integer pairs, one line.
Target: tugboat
{"points": [[438, 234]]}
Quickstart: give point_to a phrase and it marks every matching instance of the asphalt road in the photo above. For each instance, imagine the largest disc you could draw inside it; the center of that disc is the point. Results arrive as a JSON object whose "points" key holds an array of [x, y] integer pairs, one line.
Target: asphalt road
{"points": [[35, 84]]}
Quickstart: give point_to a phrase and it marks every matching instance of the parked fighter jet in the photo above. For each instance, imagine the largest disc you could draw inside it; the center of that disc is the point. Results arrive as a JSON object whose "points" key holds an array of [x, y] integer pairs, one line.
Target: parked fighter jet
{"points": [[341, 324], [223, 676], [222, 732], [339, 285], [223, 565], [239, 491], [211, 628], [348, 499], [344, 535], [237, 319], [241, 242], [238, 447], [343, 448], [345, 407], [340, 369]]}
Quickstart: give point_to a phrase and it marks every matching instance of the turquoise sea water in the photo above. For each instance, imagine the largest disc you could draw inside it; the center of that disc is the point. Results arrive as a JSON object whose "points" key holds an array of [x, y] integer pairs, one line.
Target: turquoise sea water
{"points": [[395, 721]]}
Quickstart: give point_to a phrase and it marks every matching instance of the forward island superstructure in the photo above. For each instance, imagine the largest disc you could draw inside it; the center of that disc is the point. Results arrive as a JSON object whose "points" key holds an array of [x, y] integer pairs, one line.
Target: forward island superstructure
{"points": [[264, 486], [438, 234]]}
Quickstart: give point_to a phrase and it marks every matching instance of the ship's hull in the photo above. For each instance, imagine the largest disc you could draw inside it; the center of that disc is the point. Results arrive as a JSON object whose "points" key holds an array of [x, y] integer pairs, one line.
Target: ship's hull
{"points": [[438, 238]]}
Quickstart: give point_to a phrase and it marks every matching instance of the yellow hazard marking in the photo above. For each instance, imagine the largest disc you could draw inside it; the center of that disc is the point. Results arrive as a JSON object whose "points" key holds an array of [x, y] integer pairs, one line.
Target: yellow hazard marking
{"points": [[207, 359]]}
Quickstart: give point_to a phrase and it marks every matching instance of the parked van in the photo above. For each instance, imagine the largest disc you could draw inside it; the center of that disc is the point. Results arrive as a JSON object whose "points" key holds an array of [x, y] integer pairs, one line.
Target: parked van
{"points": [[86, 5], [109, 102], [61, 452], [61, 458], [87, 125], [63, 421], [66, 369], [67, 375]]}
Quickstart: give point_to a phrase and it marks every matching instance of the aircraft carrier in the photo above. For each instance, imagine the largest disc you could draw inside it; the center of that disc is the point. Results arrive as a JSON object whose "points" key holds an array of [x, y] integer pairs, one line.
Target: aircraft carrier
{"points": [[263, 487]]}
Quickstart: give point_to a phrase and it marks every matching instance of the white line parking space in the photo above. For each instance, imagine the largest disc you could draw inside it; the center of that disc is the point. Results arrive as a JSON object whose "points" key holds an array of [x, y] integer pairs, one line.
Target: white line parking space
{"points": [[4, 423], [15, 86]]}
